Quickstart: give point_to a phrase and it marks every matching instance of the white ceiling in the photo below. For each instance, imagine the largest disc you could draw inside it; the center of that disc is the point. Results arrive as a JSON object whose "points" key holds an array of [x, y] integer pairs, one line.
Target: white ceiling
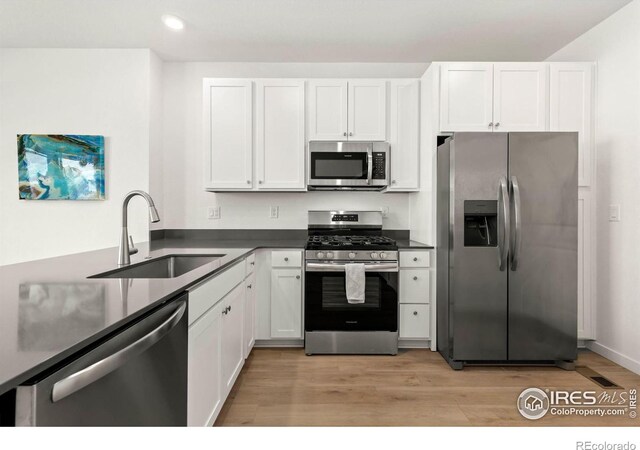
{"points": [[308, 30]]}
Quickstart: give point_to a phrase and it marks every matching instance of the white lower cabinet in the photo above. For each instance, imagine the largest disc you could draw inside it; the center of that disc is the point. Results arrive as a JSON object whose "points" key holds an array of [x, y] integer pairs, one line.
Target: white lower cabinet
{"points": [[286, 303], [232, 342], [204, 387], [414, 321], [249, 314]]}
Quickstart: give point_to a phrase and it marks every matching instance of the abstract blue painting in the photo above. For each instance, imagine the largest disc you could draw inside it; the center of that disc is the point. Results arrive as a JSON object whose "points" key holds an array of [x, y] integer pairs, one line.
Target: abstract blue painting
{"points": [[60, 167]]}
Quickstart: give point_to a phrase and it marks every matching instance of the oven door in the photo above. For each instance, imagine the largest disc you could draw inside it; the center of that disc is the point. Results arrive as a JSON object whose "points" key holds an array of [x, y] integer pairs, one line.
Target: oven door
{"points": [[327, 308], [336, 168]]}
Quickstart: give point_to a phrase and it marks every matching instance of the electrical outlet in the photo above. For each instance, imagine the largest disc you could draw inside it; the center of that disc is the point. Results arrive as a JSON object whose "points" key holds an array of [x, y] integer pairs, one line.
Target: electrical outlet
{"points": [[384, 210], [213, 212], [273, 212], [614, 213]]}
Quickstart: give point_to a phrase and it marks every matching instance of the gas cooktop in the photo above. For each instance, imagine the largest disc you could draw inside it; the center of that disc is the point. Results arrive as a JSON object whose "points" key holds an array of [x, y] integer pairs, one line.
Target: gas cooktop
{"points": [[355, 242]]}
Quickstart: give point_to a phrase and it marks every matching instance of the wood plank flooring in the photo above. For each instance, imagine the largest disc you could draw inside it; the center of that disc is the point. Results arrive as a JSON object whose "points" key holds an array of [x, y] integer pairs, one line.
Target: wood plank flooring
{"points": [[284, 387]]}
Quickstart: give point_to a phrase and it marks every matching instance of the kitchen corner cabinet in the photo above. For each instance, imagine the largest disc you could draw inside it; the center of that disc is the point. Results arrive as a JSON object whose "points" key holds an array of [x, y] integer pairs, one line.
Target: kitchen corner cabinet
{"points": [[494, 97], [347, 110], [228, 134], [280, 135], [404, 135]]}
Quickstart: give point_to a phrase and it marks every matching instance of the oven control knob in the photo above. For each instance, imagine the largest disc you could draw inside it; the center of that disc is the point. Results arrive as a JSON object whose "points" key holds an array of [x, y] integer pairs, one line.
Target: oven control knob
{"points": [[383, 255], [374, 255], [329, 255], [352, 255], [320, 255]]}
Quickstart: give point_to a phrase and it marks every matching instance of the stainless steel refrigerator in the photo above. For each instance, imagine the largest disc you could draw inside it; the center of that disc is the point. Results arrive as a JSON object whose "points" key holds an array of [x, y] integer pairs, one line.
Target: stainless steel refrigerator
{"points": [[507, 248]]}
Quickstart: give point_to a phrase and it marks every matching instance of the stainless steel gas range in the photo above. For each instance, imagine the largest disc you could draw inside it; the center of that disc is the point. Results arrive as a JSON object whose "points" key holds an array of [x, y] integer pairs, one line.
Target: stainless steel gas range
{"points": [[332, 324]]}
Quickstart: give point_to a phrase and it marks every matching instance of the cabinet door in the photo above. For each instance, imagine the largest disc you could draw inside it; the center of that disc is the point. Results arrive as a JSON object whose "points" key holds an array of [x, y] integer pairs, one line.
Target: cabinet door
{"points": [[327, 110], [367, 110], [280, 147], [585, 307], [249, 314], [404, 136], [466, 97], [232, 333], [204, 384], [227, 134], [286, 303], [520, 96], [570, 109]]}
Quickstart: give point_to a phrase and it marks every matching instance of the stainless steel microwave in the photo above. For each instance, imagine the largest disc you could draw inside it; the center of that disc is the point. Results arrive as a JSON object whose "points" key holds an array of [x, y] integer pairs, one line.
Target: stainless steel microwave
{"points": [[348, 165]]}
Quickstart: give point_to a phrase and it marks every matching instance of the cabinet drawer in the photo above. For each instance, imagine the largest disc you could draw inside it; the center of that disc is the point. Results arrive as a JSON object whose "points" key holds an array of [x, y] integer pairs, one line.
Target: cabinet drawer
{"points": [[415, 259], [250, 264], [209, 292], [414, 321], [414, 286], [286, 259]]}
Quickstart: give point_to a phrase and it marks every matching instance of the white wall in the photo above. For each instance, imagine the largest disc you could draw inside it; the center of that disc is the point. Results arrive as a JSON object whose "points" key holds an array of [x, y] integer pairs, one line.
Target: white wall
{"points": [[185, 200], [615, 45], [73, 92]]}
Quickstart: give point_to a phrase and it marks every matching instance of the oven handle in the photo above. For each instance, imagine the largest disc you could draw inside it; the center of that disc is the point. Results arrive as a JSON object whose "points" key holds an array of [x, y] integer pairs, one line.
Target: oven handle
{"points": [[331, 267]]}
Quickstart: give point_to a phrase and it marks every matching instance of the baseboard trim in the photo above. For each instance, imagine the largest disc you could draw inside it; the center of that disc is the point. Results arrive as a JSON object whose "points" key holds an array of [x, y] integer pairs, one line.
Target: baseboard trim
{"points": [[414, 343], [281, 343], [613, 355]]}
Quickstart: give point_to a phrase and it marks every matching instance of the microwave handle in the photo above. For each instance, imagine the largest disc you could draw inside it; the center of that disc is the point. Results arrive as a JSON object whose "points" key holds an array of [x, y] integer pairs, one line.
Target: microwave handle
{"points": [[369, 166]]}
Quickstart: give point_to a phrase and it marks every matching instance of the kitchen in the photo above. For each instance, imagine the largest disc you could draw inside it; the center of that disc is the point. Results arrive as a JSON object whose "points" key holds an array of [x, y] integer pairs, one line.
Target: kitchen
{"points": [[275, 176]]}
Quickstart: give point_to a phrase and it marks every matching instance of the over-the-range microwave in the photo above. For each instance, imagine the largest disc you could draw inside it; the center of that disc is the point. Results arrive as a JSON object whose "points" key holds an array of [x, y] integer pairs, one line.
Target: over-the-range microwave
{"points": [[348, 165]]}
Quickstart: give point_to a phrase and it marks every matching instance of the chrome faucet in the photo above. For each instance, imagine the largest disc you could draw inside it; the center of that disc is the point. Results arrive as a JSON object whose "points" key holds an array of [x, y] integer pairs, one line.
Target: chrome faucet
{"points": [[126, 242]]}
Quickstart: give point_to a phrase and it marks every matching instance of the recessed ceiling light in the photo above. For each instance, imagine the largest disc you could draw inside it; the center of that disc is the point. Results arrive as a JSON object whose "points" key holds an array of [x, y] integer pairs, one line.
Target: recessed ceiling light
{"points": [[173, 22]]}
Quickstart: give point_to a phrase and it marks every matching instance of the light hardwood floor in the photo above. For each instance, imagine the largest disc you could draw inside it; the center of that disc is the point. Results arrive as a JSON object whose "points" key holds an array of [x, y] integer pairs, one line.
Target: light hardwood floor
{"points": [[284, 387]]}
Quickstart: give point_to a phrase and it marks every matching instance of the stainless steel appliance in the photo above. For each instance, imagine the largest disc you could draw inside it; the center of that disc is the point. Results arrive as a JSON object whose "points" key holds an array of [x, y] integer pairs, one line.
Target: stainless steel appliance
{"points": [[332, 324], [348, 165], [136, 377], [507, 213]]}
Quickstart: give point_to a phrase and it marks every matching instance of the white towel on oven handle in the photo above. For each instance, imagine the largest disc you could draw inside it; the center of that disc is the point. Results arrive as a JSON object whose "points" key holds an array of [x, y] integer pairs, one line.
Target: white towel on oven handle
{"points": [[355, 281]]}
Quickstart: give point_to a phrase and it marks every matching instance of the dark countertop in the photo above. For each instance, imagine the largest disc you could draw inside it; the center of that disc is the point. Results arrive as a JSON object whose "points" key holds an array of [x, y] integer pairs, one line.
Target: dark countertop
{"points": [[50, 309]]}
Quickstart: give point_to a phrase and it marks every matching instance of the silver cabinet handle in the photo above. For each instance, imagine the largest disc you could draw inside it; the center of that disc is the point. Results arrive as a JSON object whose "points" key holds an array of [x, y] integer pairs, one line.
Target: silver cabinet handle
{"points": [[260, 182], [229, 308], [286, 259], [393, 181], [517, 224], [415, 278], [497, 124], [503, 239], [297, 277], [253, 263], [490, 124], [224, 312], [94, 372], [248, 286], [350, 133], [415, 258], [415, 313], [248, 181], [344, 134]]}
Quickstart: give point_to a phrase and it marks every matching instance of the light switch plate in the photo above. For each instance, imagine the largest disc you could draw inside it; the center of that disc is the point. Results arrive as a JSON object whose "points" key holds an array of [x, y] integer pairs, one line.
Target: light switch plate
{"points": [[384, 210], [273, 212], [614, 213], [213, 212]]}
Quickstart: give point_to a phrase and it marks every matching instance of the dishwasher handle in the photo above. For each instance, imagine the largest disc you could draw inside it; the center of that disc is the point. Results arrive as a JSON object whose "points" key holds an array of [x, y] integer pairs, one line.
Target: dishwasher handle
{"points": [[94, 372]]}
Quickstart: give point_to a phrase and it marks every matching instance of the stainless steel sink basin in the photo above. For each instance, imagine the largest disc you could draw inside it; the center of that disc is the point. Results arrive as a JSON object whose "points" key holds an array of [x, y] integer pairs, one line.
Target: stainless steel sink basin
{"points": [[170, 266]]}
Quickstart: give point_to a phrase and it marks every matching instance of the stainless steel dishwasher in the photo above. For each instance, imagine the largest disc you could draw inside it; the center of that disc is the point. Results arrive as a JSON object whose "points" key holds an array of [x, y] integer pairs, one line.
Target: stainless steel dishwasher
{"points": [[137, 377]]}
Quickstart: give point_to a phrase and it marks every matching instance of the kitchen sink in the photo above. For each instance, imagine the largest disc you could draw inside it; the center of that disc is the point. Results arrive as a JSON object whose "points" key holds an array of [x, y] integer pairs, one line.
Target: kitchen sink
{"points": [[170, 266]]}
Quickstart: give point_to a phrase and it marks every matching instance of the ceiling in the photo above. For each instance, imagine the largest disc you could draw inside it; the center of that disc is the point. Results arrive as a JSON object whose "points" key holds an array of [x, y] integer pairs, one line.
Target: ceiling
{"points": [[308, 30]]}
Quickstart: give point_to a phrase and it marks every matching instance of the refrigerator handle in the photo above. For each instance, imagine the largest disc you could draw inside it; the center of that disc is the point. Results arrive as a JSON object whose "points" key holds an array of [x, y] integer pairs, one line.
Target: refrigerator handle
{"points": [[503, 241], [517, 224], [94, 372]]}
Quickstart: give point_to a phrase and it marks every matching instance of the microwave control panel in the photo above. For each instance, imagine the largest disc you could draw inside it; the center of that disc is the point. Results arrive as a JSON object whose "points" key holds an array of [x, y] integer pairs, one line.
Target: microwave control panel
{"points": [[379, 166]]}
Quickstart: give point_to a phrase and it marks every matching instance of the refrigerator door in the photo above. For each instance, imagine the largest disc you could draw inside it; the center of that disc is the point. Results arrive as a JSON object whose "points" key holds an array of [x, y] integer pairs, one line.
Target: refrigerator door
{"points": [[543, 269], [477, 285]]}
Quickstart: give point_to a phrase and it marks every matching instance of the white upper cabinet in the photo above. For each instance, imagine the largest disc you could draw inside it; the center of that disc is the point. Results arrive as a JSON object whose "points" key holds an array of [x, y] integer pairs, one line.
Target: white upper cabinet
{"points": [[280, 144], [466, 97], [571, 93], [342, 110], [328, 110], [520, 96], [404, 135], [228, 133], [367, 106]]}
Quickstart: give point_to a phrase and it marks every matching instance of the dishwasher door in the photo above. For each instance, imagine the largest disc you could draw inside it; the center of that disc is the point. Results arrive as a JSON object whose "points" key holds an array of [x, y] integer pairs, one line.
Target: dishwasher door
{"points": [[136, 378]]}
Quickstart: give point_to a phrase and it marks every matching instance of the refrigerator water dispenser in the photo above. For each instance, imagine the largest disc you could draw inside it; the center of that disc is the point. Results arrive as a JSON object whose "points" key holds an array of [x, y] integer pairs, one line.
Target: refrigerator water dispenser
{"points": [[480, 223]]}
